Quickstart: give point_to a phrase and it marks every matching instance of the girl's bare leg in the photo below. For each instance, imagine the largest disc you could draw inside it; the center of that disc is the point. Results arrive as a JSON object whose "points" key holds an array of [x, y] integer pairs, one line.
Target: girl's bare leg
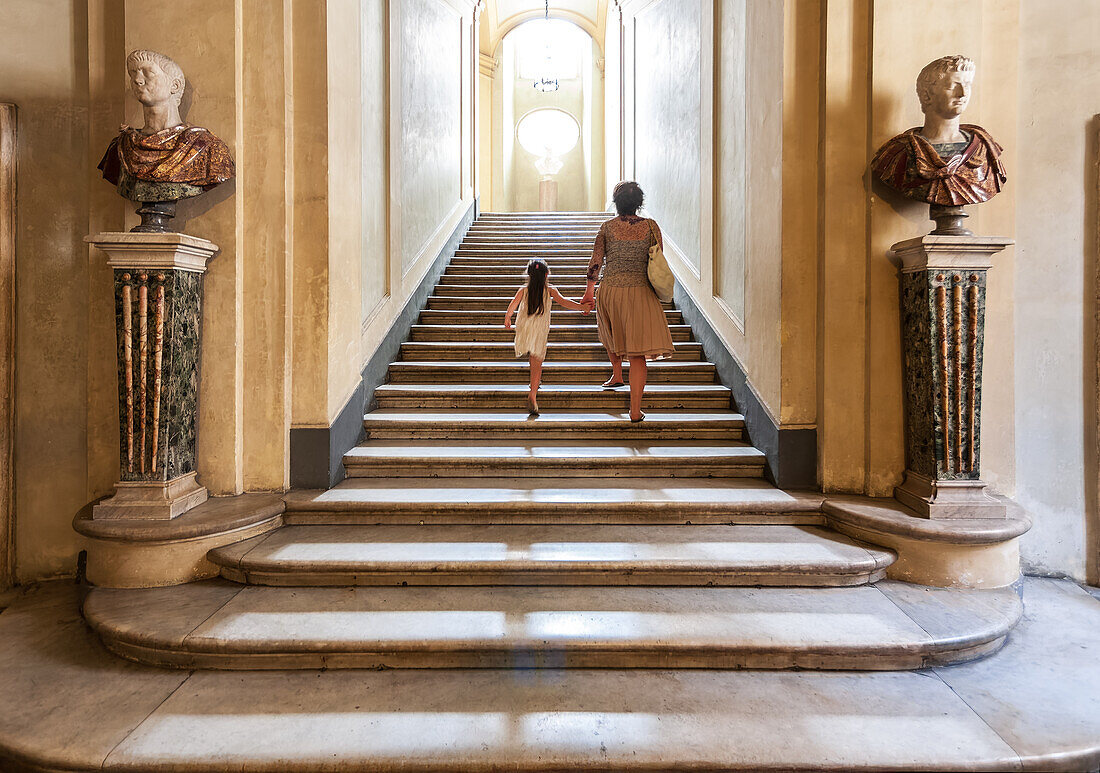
{"points": [[638, 372], [536, 381], [616, 368]]}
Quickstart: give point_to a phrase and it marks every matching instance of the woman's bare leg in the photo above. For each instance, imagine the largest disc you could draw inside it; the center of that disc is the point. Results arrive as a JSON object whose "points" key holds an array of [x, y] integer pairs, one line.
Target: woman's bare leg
{"points": [[616, 368], [638, 372]]}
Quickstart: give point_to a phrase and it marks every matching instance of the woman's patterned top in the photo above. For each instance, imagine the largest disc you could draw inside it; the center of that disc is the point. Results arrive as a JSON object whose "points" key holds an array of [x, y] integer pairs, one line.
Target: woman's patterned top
{"points": [[622, 249]]}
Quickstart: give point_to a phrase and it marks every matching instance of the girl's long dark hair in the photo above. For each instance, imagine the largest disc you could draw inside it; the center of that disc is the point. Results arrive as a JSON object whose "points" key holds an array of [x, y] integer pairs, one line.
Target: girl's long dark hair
{"points": [[536, 286]]}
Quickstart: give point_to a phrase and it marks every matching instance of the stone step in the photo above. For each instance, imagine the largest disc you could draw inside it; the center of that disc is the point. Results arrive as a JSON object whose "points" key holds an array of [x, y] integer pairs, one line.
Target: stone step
{"points": [[396, 424], [547, 233], [802, 556], [512, 279], [559, 267], [497, 332], [553, 372], [518, 500], [218, 624], [571, 397], [530, 242], [554, 459], [522, 255], [578, 351], [479, 317], [573, 291], [496, 303]]}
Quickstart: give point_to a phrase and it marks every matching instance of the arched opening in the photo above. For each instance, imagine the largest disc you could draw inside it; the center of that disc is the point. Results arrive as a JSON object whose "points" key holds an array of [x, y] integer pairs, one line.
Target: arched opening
{"points": [[546, 85]]}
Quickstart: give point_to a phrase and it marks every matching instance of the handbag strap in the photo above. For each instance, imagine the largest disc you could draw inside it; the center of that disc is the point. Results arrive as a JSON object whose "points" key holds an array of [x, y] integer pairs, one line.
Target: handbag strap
{"points": [[652, 230]]}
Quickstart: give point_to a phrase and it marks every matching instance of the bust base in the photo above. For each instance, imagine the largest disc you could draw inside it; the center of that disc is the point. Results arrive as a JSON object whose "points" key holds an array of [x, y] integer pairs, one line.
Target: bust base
{"points": [[947, 499], [152, 500]]}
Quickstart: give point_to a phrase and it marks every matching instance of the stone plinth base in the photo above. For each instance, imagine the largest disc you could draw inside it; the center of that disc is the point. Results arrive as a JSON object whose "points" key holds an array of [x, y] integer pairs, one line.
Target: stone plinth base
{"points": [[548, 195], [152, 500], [948, 498]]}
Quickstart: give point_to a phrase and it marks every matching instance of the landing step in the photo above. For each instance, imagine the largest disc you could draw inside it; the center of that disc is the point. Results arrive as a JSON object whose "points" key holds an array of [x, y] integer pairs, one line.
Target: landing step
{"points": [[556, 351], [570, 397], [553, 372], [223, 625], [518, 500], [554, 458], [496, 304], [491, 333], [475, 317], [723, 425], [551, 555]]}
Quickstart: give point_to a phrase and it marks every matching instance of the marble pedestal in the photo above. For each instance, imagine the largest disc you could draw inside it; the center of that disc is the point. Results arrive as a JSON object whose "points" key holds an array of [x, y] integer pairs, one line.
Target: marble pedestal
{"points": [[548, 195], [158, 314], [943, 285]]}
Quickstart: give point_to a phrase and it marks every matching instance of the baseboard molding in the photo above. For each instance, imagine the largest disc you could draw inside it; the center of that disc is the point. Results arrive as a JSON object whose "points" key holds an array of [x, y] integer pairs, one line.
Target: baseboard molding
{"points": [[317, 454], [791, 453]]}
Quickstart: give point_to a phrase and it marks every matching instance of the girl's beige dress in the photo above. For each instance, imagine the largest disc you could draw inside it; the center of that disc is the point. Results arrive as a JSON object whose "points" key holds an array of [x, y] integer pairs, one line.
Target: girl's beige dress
{"points": [[532, 331], [629, 317]]}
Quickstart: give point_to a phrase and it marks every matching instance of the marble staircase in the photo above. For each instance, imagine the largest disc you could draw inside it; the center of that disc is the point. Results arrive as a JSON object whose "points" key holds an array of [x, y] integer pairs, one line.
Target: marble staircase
{"points": [[471, 535]]}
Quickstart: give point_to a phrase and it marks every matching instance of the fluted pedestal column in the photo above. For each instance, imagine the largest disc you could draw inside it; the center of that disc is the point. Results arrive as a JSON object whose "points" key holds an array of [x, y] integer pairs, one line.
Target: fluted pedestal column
{"points": [[943, 285], [158, 304]]}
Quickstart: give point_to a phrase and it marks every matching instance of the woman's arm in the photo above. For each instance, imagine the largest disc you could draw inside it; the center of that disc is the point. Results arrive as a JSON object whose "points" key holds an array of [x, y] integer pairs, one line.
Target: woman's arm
{"points": [[512, 309], [598, 252], [584, 306]]}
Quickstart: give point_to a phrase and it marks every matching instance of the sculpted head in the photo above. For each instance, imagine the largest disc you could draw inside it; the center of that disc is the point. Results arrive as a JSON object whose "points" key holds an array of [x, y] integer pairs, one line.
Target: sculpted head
{"points": [[944, 85], [154, 78]]}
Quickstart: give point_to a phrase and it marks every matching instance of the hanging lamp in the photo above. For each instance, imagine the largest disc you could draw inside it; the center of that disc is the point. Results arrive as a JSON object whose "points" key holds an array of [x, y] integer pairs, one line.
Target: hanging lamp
{"points": [[547, 83]]}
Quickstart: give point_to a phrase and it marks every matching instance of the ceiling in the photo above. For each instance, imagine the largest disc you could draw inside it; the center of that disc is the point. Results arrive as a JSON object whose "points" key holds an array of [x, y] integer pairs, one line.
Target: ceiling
{"points": [[500, 16]]}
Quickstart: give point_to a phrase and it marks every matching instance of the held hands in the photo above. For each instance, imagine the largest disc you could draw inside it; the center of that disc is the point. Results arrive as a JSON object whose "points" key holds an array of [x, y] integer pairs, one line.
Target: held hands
{"points": [[508, 321], [588, 302]]}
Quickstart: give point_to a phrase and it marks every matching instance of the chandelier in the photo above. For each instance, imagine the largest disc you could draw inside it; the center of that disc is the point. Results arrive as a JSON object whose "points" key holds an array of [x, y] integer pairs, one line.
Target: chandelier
{"points": [[547, 82]]}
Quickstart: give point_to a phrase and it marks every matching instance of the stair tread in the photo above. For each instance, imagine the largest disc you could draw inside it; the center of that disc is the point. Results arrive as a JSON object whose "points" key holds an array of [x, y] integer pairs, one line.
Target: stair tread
{"points": [[514, 554], [594, 449], [873, 626], [727, 495], [582, 418], [710, 389]]}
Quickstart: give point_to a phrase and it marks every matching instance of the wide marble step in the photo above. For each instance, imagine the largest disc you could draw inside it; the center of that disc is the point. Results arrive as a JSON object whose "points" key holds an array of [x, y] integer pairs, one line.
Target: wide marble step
{"points": [[554, 459], [477, 317], [573, 279], [551, 555], [490, 333], [522, 500], [553, 372], [571, 291], [571, 397], [223, 625], [496, 303], [578, 426], [522, 255], [515, 268], [563, 351]]}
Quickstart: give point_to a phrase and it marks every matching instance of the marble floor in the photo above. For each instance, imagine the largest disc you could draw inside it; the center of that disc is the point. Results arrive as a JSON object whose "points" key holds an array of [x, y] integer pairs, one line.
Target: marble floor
{"points": [[66, 704]]}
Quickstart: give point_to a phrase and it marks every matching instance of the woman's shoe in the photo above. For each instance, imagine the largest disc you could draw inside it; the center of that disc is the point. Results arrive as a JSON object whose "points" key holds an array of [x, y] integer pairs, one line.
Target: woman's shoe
{"points": [[611, 383], [532, 407], [635, 421]]}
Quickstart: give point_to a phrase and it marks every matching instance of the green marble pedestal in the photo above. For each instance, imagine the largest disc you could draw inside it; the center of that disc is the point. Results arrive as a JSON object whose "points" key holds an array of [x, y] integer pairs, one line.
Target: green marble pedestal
{"points": [[158, 317], [943, 285]]}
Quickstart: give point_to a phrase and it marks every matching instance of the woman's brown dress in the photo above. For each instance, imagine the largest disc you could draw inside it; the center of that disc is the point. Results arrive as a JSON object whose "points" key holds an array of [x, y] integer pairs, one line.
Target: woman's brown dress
{"points": [[629, 317]]}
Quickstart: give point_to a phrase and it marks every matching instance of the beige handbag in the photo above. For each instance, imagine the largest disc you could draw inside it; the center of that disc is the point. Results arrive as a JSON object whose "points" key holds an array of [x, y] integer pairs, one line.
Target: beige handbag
{"points": [[660, 275]]}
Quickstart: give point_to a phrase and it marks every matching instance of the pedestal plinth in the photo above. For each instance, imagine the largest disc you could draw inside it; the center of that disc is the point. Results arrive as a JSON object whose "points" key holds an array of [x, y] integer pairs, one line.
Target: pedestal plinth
{"points": [[943, 285], [158, 316], [548, 195]]}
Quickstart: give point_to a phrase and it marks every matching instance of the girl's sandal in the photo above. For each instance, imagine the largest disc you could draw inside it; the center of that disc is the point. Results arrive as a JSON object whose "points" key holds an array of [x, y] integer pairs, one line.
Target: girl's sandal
{"points": [[611, 383], [635, 421], [532, 407]]}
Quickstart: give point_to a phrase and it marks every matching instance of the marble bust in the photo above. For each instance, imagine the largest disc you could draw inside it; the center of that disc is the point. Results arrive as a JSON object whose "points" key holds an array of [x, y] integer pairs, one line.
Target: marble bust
{"points": [[167, 159], [944, 162]]}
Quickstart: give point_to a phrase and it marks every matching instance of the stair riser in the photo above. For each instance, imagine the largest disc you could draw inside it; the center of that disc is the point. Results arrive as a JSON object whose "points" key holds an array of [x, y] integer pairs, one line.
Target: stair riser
{"points": [[495, 304], [553, 468], [572, 292], [538, 513], [609, 401], [685, 352], [536, 433], [487, 334], [510, 656], [490, 375], [509, 279], [523, 575], [561, 317], [520, 257]]}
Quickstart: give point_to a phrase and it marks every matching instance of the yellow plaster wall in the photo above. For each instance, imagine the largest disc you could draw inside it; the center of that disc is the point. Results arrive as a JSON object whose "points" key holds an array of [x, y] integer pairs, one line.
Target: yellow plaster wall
{"points": [[43, 70]]}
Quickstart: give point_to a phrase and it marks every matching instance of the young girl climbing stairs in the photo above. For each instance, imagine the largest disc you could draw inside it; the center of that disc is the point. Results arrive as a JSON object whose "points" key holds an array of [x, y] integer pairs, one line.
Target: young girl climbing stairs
{"points": [[533, 322]]}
